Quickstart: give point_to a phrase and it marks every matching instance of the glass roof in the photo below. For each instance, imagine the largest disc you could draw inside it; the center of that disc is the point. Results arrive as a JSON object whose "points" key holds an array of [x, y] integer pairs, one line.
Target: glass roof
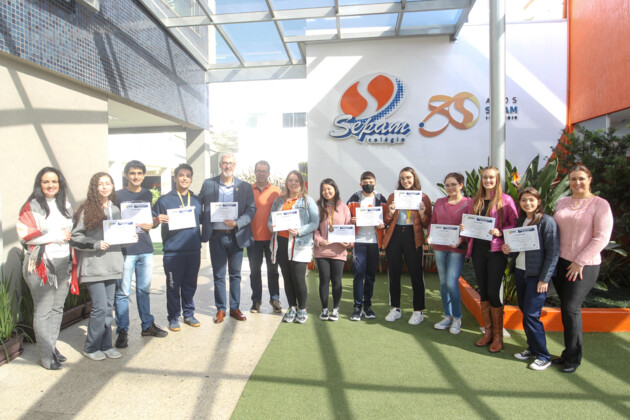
{"points": [[245, 35]]}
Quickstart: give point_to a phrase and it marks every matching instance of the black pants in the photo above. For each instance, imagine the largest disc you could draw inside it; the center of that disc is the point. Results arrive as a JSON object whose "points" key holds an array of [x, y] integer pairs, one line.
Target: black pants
{"points": [[489, 269], [402, 244], [572, 294], [330, 270], [294, 275]]}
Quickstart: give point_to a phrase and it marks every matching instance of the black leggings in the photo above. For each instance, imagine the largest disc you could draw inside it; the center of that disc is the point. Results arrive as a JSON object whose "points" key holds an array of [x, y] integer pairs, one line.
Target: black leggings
{"points": [[330, 270], [572, 294], [294, 275], [403, 244], [489, 270]]}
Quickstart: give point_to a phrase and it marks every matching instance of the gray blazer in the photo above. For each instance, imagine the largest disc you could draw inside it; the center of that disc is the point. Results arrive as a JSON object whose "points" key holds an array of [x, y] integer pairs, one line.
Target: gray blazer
{"points": [[243, 195]]}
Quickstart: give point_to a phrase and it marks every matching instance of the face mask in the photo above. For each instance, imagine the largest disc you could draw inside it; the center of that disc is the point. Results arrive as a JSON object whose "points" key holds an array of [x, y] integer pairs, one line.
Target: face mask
{"points": [[367, 188]]}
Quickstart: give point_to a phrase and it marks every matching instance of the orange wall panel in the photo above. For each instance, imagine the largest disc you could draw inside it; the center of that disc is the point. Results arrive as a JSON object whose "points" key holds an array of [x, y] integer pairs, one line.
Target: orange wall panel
{"points": [[599, 58]]}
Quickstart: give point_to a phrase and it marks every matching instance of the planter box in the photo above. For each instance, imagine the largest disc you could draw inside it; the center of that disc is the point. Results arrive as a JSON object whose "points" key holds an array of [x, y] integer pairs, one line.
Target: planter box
{"points": [[13, 348], [72, 316], [593, 319]]}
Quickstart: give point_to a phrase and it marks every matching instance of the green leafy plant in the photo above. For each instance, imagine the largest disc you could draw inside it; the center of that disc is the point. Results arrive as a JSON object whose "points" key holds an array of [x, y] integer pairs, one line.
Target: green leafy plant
{"points": [[155, 194], [76, 300]]}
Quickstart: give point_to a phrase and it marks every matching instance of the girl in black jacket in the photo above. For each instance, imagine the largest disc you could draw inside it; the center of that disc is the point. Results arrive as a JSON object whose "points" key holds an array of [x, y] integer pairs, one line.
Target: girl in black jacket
{"points": [[532, 272]]}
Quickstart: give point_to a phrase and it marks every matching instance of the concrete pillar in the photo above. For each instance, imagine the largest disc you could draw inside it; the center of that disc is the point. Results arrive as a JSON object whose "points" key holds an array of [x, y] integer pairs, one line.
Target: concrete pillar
{"points": [[497, 86], [198, 154]]}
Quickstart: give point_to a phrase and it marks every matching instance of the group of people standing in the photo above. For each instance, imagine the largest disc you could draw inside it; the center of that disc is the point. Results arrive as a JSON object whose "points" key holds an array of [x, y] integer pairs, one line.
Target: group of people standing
{"points": [[52, 235]]}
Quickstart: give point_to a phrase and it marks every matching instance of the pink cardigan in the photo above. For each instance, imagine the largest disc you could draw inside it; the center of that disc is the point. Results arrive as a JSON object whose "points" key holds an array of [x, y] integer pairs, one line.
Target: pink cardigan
{"points": [[510, 214], [440, 216], [335, 251], [585, 231]]}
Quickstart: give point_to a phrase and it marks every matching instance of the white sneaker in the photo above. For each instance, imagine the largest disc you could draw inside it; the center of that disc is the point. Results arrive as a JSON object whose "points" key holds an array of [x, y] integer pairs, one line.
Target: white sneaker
{"points": [[112, 354], [456, 326], [540, 364], [444, 324], [324, 315], [416, 318], [393, 315], [96, 356]]}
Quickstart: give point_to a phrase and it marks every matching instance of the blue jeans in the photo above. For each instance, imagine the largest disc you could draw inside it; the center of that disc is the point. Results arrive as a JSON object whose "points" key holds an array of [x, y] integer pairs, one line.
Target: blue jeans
{"points": [[181, 284], [364, 263], [531, 302], [142, 265], [449, 265], [255, 255], [225, 251]]}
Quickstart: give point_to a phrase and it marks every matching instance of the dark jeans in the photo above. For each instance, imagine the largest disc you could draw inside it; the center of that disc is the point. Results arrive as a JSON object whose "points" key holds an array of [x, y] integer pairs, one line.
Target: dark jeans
{"points": [[225, 253], [181, 275], [572, 294], [489, 269], [255, 255], [364, 263], [294, 275], [330, 270], [402, 244], [530, 303]]}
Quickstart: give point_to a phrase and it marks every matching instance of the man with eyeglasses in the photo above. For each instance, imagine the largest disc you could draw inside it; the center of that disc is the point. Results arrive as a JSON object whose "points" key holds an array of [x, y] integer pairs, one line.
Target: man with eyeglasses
{"points": [[264, 194], [230, 200]]}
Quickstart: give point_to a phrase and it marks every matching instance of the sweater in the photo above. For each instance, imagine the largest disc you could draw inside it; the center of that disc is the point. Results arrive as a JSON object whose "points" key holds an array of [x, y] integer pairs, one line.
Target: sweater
{"points": [[442, 216], [336, 251], [584, 231], [181, 241], [144, 244], [510, 214]]}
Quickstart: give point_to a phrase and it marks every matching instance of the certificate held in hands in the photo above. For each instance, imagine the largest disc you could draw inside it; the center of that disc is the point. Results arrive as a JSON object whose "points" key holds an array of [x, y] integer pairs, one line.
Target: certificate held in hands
{"points": [[140, 213], [285, 220], [369, 216], [477, 227], [444, 235], [181, 218], [407, 199], [220, 212], [341, 234], [522, 239], [116, 232]]}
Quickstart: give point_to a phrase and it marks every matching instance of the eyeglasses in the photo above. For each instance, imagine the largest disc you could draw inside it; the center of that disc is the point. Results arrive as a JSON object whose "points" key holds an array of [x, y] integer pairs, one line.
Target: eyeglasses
{"points": [[228, 163], [451, 185]]}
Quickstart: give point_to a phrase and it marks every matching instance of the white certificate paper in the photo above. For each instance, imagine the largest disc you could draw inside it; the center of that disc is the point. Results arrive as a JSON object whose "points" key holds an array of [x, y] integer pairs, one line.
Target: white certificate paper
{"points": [[181, 218], [220, 212], [444, 235], [369, 216], [140, 213], [407, 199], [522, 239], [285, 220], [341, 233], [477, 227], [121, 231]]}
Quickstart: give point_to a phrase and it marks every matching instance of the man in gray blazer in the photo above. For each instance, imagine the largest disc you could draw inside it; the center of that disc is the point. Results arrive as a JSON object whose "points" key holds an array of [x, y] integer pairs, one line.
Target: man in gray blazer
{"points": [[229, 237]]}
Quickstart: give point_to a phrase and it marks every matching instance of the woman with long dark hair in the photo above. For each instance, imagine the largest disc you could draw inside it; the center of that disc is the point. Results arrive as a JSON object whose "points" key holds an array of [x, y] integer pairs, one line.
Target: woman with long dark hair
{"points": [[100, 264], [488, 259], [585, 222], [532, 273], [404, 238], [44, 226], [293, 248], [330, 257]]}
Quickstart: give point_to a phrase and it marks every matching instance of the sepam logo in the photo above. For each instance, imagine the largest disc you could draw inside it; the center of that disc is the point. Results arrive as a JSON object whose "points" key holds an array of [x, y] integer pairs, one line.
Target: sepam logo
{"points": [[511, 109], [365, 105], [444, 109]]}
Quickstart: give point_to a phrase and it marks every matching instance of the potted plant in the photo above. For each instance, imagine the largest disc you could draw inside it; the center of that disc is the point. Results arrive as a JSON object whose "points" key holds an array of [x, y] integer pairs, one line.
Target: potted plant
{"points": [[10, 340]]}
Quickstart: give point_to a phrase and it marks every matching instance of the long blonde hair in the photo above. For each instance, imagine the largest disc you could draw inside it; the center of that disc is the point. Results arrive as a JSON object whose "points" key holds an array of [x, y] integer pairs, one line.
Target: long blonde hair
{"points": [[496, 201]]}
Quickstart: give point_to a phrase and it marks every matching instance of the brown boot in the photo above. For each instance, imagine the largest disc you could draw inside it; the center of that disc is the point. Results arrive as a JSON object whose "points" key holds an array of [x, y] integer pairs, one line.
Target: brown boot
{"points": [[497, 330], [487, 324]]}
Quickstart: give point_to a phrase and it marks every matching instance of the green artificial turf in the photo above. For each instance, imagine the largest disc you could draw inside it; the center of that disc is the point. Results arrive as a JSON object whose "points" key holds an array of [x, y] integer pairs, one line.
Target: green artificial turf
{"points": [[376, 369]]}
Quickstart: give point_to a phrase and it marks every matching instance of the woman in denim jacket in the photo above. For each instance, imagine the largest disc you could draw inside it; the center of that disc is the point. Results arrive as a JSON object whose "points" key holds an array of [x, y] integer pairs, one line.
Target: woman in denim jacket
{"points": [[293, 248], [532, 273]]}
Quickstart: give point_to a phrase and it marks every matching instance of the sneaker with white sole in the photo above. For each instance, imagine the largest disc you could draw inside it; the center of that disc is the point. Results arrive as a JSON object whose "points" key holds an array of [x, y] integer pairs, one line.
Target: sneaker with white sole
{"points": [[524, 355], [302, 316], [324, 315], [334, 315], [393, 315], [289, 316], [540, 364], [96, 356], [356, 314], [112, 354], [416, 318], [456, 326], [368, 312], [443, 324]]}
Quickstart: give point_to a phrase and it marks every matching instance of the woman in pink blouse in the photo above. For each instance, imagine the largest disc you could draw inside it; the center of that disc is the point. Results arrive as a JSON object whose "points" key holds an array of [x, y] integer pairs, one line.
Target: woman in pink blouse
{"points": [[330, 257], [585, 223]]}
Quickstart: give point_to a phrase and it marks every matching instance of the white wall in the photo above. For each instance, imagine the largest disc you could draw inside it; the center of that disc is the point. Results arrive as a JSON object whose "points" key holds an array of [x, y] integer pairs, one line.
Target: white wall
{"points": [[536, 76]]}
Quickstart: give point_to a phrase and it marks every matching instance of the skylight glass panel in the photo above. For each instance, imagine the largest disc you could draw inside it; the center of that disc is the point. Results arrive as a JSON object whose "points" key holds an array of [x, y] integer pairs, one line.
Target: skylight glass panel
{"points": [[221, 7], [301, 27], [360, 2], [301, 4], [296, 54], [431, 18], [257, 41], [374, 22], [184, 8], [223, 54]]}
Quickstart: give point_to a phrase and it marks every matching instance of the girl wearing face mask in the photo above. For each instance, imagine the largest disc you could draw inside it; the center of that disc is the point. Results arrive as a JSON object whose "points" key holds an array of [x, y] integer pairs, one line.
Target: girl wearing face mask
{"points": [[488, 259], [330, 257], [404, 238]]}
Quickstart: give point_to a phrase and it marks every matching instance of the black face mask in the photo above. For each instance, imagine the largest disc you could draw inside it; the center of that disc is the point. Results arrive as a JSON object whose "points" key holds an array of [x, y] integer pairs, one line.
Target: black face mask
{"points": [[367, 188]]}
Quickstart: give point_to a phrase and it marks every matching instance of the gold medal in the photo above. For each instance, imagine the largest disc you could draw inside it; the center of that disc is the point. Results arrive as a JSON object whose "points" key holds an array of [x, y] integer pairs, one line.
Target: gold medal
{"points": [[409, 217], [331, 229]]}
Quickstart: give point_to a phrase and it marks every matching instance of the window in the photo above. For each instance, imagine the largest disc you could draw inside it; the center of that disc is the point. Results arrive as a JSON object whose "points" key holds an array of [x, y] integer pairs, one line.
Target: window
{"points": [[294, 119]]}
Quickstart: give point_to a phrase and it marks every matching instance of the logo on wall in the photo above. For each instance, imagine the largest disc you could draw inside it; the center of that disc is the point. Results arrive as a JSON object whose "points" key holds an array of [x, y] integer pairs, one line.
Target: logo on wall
{"points": [[365, 106], [445, 105], [511, 108]]}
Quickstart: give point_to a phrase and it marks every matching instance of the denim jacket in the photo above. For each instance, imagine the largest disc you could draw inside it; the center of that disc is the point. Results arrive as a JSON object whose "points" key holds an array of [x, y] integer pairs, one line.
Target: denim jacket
{"points": [[309, 217]]}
